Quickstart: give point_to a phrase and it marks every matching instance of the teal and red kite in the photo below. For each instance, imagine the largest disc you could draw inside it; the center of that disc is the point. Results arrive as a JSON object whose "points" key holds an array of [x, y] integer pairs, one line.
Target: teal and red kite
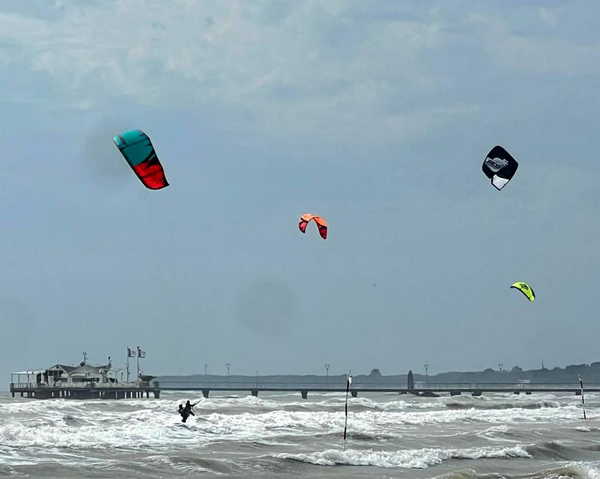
{"points": [[137, 149]]}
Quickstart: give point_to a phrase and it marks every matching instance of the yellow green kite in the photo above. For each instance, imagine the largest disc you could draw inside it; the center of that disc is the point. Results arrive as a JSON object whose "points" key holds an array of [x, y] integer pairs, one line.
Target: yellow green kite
{"points": [[525, 289]]}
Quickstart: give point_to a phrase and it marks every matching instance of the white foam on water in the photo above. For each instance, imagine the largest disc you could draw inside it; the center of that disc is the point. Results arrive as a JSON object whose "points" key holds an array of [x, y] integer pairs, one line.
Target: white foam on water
{"points": [[74, 432], [589, 471], [155, 423], [583, 470], [410, 459]]}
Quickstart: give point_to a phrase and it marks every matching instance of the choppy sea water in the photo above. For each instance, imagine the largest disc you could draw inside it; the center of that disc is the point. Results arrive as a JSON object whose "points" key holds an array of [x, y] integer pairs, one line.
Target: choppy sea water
{"points": [[281, 435]]}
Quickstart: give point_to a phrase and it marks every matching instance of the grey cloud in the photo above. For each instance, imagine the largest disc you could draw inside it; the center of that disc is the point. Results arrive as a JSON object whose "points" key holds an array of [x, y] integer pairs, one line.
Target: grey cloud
{"points": [[376, 115], [267, 306]]}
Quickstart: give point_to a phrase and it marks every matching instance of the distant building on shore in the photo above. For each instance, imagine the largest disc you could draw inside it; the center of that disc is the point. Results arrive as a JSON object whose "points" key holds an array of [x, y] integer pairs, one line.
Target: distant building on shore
{"points": [[83, 381], [84, 374], [61, 374], [65, 375]]}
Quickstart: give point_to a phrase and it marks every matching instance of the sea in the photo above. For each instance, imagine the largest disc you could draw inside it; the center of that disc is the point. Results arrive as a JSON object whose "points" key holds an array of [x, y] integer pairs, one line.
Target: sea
{"points": [[280, 435]]}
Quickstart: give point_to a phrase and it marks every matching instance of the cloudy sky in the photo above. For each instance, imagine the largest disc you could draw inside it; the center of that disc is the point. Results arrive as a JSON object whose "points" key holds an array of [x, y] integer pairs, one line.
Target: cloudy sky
{"points": [[375, 114]]}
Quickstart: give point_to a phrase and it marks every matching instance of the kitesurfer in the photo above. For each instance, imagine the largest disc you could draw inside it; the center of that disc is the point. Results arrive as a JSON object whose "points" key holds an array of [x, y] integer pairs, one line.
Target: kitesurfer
{"points": [[181, 412], [186, 410]]}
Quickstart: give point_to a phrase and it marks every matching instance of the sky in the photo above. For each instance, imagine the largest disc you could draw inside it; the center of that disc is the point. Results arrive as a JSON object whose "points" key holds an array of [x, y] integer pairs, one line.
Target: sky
{"points": [[375, 114]]}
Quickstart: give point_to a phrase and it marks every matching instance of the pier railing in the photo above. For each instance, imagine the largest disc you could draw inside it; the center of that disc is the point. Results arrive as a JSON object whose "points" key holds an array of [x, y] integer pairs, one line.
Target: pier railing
{"points": [[82, 385], [84, 390], [265, 385], [425, 390], [91, 390]]}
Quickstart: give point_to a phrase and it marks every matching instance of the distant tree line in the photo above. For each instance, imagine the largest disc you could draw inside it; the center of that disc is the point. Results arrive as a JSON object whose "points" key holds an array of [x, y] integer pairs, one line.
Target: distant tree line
{"points": [[589, 372]]}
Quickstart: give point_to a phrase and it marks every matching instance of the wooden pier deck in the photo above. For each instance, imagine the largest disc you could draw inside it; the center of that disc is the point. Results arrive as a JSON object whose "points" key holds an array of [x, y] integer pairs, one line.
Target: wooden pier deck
{"points": [[86, 391], [356, 389], [154, 388]]}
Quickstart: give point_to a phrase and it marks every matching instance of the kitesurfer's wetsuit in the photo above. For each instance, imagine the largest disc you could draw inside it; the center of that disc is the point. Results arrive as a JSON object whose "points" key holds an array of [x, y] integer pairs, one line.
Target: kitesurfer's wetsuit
{"points": [[186, 411], [181, 411]]}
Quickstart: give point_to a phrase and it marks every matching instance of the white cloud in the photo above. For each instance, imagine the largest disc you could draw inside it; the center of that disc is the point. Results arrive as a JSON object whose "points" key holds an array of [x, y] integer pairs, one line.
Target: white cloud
{"points": [[288, 65]]}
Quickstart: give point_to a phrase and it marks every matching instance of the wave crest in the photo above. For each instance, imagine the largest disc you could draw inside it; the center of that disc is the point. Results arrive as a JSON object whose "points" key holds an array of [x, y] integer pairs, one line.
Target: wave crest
{"points": [[409, 459]]}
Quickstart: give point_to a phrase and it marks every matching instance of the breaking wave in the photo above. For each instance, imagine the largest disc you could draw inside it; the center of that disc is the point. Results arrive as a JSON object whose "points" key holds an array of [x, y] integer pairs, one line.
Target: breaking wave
{"points": [[411, 459], [502, 405]]}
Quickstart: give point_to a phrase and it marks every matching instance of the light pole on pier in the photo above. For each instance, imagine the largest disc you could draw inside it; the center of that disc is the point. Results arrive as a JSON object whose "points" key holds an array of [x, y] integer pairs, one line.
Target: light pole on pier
{"points": [[327, 366]]}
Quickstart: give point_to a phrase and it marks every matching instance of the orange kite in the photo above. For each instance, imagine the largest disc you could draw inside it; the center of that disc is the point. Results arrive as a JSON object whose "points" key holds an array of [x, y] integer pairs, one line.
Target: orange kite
{"points": [[319, 220]]}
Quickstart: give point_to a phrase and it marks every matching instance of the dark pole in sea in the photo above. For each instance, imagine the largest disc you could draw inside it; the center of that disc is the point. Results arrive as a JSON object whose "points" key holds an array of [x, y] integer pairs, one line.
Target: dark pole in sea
{"points": [[348, 383], [582, 398]]}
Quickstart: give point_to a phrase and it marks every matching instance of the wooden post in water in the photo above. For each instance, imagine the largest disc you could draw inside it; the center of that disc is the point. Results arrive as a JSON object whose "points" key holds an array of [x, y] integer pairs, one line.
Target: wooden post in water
{"points": [[582, 397]]}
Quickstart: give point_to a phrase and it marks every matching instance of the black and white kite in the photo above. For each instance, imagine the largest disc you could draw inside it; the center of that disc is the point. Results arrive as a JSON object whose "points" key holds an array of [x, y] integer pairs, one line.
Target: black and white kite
{"points": [[499, 166]]}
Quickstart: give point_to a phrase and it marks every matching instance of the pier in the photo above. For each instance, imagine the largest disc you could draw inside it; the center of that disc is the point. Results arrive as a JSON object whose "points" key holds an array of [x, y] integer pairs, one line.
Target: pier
{"points": [[82, 381], [85, 381], [432, 390], [138, 390], [84, 391]]}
